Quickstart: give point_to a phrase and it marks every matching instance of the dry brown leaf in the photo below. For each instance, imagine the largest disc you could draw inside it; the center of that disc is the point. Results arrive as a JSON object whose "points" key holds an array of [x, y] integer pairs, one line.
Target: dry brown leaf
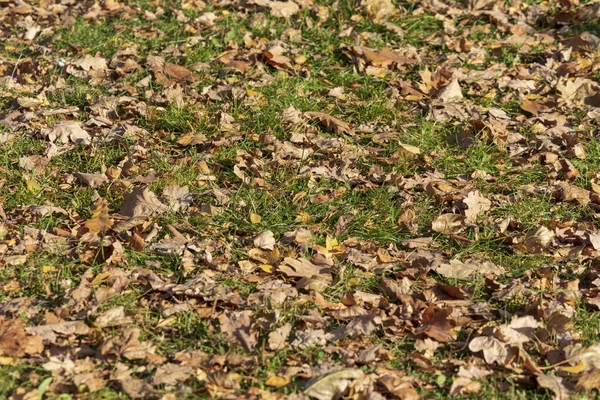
{"points": [[238, 328], [456, 269], [556, 385], [379, 10], [115, 316], [141, 202], [448, 224], [172, 374], [589, 381], [265, 240], [127, 344], [330, 123], [493, 349], [464, 386], [67, 132], [475, 204], [220, 383], [451, 93], [91, 180], [283, 9], [333, 385], [178, 73], [312, 276], [100, 220], [277, 381], [14, 342], [278, 338]]}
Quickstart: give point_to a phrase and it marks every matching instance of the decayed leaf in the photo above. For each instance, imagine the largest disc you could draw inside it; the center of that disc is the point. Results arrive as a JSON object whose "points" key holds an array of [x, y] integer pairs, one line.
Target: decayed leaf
{"points": [[333, 385], [448, 224], [100, 220]]}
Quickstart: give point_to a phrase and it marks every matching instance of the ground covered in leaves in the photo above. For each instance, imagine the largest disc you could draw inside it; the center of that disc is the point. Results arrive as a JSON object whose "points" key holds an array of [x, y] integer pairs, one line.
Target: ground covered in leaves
{"points": [[299, 199]]}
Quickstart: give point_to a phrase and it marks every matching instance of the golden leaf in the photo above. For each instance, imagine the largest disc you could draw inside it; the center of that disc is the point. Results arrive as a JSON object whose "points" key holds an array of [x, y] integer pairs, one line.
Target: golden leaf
{"points": [[100, 221]]}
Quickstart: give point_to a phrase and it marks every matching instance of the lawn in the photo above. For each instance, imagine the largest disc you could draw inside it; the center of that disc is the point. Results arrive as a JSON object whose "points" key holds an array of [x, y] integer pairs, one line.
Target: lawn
{"points": [[299, 199]]}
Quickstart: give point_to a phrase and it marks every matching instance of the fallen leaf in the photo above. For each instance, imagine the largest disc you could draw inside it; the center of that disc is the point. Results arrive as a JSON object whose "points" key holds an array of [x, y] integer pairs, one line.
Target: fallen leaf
{"points": [[278, 338], [330, 123], [100, 220], [277, 381], [172, 374], [493, 349], [555, 384], [113, 317], [265, 240], [456, 269], [448, 224], [283, 9], [67, 132], [141, 202], [333, 385], [14, 342], [238, 328]]}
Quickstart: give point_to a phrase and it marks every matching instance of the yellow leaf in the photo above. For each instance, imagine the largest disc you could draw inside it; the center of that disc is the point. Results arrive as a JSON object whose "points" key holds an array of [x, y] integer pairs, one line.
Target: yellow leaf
{"points": [[101, 277], [252, 93], [277, 381], [303, 217], [32, 185], [266, 268], [8, 361], [331, 243], [255, 218], [100, 221], [574, 369], [48, 268]]}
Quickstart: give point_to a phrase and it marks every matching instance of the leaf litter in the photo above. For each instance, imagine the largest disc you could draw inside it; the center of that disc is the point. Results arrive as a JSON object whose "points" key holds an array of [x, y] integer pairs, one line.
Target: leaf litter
{"points": [[217, 200]]}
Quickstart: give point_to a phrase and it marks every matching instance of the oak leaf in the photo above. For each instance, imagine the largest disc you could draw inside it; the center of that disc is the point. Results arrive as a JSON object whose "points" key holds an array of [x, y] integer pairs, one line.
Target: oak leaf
{"points": [[100, 221]]}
